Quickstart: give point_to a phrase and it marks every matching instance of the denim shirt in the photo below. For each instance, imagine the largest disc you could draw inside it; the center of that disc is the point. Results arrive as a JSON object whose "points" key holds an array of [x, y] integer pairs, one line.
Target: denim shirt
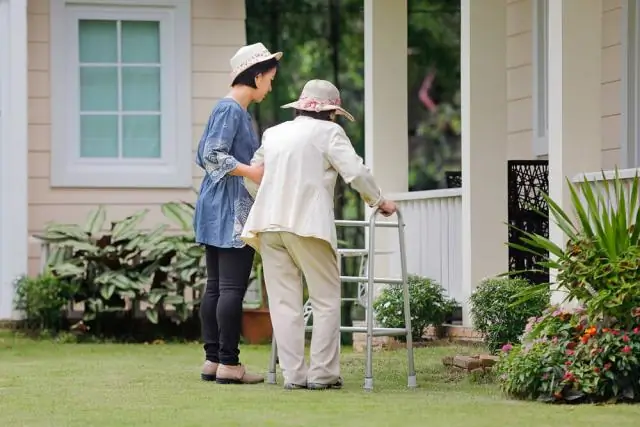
{"points": [[224, 203]]}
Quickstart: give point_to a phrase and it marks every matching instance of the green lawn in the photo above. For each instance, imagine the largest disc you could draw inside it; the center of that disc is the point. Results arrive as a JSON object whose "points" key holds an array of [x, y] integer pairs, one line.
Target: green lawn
{"points": [[66, 385]]}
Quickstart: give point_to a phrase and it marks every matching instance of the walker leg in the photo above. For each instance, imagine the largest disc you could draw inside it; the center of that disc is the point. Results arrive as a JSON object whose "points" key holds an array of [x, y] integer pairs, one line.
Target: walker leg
{"points": [[271, 374]]}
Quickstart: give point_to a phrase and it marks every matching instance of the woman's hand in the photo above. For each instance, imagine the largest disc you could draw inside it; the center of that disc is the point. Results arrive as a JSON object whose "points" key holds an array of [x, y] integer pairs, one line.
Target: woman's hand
{"points": [[387, 208], [255, 173]]}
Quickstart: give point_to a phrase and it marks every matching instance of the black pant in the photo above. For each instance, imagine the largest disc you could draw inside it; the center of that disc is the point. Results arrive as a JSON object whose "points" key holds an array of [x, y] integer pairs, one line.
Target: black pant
{"points": [[228, 271]]}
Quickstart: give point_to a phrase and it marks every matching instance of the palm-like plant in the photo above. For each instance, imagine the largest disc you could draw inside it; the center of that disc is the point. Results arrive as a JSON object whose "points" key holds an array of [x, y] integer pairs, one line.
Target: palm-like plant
{"points": [[600, 265]]}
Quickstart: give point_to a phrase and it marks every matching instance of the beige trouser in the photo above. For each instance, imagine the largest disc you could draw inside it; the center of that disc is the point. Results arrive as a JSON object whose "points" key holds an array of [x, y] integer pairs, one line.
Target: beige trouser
{"points": [[285, 256]]}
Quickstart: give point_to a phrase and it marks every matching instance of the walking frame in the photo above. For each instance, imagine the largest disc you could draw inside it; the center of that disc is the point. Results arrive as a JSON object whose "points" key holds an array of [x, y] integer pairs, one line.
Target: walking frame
{"points": [[366, 297]]}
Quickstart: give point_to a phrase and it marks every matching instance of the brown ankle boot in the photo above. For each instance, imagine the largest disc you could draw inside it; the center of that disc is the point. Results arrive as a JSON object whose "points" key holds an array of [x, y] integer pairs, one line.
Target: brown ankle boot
{"points": [[209, 371], [229, 374]]}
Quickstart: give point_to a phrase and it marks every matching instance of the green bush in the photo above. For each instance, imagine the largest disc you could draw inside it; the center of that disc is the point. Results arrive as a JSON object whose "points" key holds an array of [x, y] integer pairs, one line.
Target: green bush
{"points": [[494, 315], [42, 300], [428, 301], [600, 266], [118, 269], [567, 357]]}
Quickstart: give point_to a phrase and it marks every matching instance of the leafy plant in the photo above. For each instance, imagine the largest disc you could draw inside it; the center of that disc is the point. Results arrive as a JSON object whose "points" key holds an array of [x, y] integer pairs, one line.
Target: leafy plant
{"points": [[42, 300], [119, 269], [601, 264], [493, 314], [428, 301], [568, 357]]}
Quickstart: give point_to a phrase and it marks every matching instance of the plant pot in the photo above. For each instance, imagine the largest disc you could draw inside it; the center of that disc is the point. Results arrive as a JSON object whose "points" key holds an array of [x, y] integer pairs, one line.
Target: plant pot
{"points": [[256, 326]]}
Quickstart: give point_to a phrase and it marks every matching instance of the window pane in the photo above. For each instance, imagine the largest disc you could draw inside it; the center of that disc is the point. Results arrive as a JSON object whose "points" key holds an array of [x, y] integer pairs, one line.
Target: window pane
{"points": [[141, 42], [98, 89], [141, 88], [99, 136], [98, 41], [141, 137]]}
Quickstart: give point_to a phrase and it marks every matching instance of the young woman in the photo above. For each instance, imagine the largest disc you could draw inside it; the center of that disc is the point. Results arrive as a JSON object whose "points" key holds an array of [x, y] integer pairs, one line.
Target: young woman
{"points": [[225, 151], [294, 230]]}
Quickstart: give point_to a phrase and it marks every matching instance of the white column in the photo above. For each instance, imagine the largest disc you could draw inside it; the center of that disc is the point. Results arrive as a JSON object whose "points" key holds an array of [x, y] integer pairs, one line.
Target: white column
{"points": [[385, 109], [575, 31], [484, 143], [13, 149]]}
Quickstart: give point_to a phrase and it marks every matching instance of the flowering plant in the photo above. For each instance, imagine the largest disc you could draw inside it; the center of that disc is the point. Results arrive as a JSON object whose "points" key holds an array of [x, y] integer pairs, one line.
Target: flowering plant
{"points": [[566, 357]]}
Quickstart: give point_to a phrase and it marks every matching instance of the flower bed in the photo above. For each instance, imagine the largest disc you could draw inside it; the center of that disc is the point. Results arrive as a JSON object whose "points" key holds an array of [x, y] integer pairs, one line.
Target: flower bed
{"points": [[565, 357]]}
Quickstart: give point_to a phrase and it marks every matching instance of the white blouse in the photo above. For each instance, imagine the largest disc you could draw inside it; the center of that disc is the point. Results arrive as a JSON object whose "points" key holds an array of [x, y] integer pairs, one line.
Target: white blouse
{"points": [[302, 159]]}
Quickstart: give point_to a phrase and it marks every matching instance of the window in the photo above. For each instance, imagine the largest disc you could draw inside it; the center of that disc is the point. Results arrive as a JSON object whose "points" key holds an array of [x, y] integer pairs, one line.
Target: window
{"points": [[540, 78], [120, 98], [631, 82]]}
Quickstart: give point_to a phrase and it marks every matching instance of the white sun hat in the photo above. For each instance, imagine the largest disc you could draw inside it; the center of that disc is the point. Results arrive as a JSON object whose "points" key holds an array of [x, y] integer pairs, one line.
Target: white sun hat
{"points": [[250, 55], [319, 95]]}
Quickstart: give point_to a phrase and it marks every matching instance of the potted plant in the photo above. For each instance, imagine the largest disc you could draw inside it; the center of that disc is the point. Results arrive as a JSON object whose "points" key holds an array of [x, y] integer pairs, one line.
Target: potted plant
{"points": [[256, 319]]}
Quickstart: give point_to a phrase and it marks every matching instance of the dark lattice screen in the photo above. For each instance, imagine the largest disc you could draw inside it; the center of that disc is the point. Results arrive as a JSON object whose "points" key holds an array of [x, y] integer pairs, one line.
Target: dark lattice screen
{"points": [[454, 179], [527, 181]]}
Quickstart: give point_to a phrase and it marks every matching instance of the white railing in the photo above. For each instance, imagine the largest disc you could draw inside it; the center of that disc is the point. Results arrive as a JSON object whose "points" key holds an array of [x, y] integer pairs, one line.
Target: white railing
{"points": [[598, 184], [433, 237]]}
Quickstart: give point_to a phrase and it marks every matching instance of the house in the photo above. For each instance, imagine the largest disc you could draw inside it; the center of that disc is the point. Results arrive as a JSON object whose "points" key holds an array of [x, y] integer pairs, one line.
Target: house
{"points": [[541, 79], [88, 118]]}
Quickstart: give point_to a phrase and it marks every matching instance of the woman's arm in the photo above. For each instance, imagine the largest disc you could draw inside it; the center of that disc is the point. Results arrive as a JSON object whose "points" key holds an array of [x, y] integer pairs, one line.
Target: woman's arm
{"points": [[257, 160], [351, 167], [217, 160]]}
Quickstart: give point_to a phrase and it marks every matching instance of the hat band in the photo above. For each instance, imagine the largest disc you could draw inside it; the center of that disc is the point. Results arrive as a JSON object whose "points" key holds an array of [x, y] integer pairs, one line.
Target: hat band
{"points": [[253, 59], [313, 103]]}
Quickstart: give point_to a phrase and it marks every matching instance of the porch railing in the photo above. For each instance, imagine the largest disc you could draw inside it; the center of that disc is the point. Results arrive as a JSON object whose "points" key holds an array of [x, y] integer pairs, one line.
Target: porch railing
{"points": [[433, 237]]}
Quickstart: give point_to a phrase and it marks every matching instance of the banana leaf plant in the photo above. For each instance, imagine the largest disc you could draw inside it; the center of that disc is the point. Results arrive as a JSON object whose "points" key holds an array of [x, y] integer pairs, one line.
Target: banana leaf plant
{"points": [[600, 263]]}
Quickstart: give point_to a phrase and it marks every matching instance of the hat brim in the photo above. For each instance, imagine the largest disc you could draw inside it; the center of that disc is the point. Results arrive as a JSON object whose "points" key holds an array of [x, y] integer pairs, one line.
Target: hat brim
{"points": [[339, 110]]}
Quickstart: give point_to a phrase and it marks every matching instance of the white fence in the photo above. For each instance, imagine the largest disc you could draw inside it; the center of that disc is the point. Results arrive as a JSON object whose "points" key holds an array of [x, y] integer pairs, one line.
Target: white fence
{"points": [[433, 237]]}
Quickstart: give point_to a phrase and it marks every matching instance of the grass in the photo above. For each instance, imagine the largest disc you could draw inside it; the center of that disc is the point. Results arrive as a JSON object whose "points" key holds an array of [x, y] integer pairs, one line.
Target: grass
{"points": [[43, 383]]}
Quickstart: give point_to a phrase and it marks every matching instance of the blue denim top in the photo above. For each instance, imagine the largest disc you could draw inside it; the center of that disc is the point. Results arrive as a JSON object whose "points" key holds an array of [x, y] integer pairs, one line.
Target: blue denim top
{"points": [[223, 202]]}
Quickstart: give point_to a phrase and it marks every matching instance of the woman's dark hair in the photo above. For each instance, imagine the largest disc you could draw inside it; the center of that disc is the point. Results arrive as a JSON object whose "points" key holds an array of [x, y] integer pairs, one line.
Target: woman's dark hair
{"points": [[248, 76], [320, 115]]}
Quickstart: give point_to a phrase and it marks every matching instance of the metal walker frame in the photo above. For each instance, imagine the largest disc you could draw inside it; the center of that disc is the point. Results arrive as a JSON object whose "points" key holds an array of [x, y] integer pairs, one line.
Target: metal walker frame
{"points": [[365, 299]]}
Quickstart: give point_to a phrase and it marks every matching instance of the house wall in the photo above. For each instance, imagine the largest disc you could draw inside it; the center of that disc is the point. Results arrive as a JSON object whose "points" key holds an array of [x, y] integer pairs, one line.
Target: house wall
{"points": [[218, 30], [520, 80]]}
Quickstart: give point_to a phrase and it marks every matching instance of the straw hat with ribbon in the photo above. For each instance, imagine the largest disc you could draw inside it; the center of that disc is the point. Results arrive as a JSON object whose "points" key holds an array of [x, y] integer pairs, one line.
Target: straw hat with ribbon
{"points": [[319, 95], [250, 55]]}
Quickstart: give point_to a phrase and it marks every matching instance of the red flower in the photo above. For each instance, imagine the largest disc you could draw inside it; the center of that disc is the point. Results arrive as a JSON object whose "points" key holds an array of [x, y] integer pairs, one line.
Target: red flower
{"points": [[567, 363], [615, 332], [636, 330], [570, 352], [596, 369], [625, 338], [568, 376], [607, 366], [571, 345], [626, 349]]}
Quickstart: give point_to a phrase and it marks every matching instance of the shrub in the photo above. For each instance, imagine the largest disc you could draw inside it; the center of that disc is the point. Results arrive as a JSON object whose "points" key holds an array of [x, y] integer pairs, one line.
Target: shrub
{"points": [[119, 269], [568, 357], [42, 301], [428, 301], [493, 314], [601, 264]]}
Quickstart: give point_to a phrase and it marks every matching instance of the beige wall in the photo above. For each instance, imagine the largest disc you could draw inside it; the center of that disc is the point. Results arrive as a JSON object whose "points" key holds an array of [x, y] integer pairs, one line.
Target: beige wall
{"points": [[520, 79], [218, 29]]}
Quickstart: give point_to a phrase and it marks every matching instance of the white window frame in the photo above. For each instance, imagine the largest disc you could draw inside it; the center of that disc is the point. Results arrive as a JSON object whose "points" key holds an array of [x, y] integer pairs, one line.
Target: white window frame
{"points": [[173, 168], [540, 73], [630, 144]]}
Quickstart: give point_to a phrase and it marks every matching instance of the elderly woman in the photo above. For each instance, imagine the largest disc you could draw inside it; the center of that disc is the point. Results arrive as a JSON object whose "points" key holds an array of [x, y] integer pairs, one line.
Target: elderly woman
{"points": [[292, 225], [225, 151]]}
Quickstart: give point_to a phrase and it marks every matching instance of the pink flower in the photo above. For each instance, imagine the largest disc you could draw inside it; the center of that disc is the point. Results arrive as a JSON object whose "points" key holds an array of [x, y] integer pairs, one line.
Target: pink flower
{"points": [[506, 348], [625, 338], [626, 349]]}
